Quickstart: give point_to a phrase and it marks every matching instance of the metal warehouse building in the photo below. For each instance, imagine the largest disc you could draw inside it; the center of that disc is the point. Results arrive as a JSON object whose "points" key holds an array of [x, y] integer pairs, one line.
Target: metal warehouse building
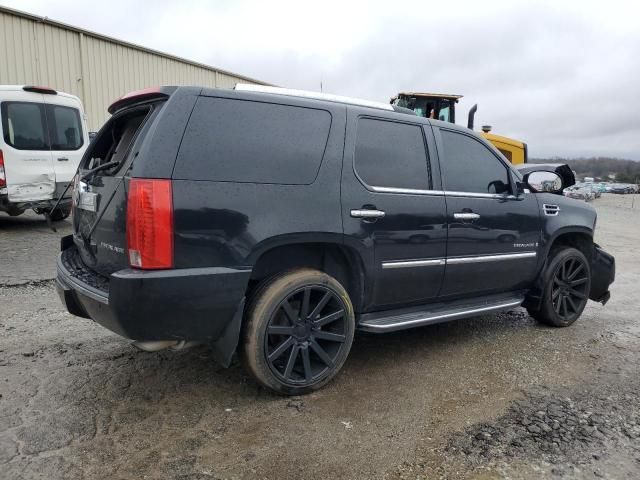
{"points": [[98, 69]]}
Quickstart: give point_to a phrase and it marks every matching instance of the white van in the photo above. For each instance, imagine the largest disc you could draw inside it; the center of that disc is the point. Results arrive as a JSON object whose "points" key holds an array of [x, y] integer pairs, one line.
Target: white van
{"points": [[44, 136]]}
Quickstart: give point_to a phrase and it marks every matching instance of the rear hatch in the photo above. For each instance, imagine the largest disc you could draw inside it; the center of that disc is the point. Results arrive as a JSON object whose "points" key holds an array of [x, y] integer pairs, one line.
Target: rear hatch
{"points": [[100, 195]]}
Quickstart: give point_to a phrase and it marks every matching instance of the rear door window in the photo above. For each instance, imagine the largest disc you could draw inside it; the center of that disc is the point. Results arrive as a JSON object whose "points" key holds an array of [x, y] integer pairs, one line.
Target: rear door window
{"points": [[232, 140], [65, 128], [391, 154], [24, 125]]}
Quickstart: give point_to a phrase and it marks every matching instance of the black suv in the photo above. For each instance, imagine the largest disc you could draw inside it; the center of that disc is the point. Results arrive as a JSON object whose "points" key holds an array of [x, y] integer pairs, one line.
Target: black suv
{"points": [[275, 223]]}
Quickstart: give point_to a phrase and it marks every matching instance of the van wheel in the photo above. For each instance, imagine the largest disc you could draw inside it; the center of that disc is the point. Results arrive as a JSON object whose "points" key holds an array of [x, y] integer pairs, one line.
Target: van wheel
{"points": [[299, 331], [567, 281], [60, 214], [14, 212]]}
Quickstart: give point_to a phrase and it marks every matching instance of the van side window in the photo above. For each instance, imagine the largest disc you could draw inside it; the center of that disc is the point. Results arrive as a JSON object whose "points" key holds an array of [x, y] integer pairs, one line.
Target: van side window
{"points": [[65, 129], [23, 125], [232, 140], [469, 166], [391, 154]]}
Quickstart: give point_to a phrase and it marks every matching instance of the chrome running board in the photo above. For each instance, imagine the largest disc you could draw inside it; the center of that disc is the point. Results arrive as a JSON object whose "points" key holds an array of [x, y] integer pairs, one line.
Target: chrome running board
{"points": [[392, 320]]}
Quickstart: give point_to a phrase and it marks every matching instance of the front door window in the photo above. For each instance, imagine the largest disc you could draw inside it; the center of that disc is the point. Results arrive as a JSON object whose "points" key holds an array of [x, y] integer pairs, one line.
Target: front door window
{"points": [[471, 167]]}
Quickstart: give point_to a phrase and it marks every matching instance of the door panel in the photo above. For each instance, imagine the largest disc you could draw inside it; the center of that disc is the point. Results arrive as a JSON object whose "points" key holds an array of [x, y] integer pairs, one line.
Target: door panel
{"points": [[68, 136], [27, 158], [493, 235], [405, 247], [497, 250]]}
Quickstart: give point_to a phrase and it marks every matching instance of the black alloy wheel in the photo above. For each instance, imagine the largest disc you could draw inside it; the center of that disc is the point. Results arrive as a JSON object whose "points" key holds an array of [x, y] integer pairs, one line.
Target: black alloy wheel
{"points": [[567, 283], [298, 330], [305, 335], [569, 292]]}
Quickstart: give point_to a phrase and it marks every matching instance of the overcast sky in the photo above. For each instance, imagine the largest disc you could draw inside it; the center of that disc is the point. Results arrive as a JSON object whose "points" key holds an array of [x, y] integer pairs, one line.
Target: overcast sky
{"points": [[562, 76]]}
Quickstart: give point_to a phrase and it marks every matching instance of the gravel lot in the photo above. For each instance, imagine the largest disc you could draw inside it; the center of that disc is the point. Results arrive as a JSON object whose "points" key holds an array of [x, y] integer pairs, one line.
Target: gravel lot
{"points": [[496, 396]]}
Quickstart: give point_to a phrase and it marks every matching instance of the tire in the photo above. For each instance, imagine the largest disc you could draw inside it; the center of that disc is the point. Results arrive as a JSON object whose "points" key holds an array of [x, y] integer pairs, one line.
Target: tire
{"points": [[14, 212], [60, 214], [288, 351], [567, 281]]}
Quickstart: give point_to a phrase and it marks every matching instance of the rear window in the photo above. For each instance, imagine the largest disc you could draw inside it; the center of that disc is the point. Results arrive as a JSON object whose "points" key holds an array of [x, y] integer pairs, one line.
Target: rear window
{"points": [[115, 140], [39, 126], [65, 130], [24, 125], [244, 141]]}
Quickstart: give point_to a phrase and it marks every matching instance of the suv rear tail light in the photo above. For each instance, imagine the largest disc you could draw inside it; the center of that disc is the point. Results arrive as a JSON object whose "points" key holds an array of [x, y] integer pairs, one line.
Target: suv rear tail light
{"points": [[150, 223], [3, 177]]}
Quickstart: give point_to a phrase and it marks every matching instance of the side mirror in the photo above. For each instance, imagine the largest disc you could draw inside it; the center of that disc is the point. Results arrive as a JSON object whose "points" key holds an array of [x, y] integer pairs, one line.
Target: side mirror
{"points": [[543, 181]]}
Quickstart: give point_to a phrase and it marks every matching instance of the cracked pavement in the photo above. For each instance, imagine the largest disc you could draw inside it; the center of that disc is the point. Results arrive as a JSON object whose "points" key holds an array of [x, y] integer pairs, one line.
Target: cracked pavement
{"points": [[496, 396]]}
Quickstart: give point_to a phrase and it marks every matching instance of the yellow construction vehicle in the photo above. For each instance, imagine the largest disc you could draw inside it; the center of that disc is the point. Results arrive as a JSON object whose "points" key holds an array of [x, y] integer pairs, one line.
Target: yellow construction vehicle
{"points": [[441, 106]]}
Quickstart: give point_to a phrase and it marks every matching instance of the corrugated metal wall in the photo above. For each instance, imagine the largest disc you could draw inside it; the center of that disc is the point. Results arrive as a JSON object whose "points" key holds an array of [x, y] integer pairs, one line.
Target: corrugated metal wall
{"points": [[37, 51]]}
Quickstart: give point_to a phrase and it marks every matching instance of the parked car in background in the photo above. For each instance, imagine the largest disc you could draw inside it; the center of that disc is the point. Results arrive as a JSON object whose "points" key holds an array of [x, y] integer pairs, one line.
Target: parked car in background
{"points": [[275, 223], [622, 188], [580, 192], [44, 136]]}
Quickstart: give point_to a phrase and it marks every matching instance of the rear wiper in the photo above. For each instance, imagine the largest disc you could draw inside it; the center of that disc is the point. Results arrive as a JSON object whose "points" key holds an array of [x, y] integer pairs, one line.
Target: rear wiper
{"points": [[99, 168]]}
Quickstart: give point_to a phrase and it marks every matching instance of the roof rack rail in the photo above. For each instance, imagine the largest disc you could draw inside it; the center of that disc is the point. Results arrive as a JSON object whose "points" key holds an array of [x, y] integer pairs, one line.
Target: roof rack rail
{"points": [[246, 87]]}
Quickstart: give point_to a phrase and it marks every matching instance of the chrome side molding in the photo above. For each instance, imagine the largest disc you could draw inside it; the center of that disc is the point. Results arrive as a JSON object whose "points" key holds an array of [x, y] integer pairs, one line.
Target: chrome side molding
{"points": [[431, 262], [490, 258], [414, 263]]}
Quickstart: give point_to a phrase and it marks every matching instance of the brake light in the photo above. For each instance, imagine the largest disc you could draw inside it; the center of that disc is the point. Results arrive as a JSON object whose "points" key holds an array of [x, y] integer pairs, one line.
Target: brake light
{"points": [[144, 94], [3, 177], [35, 89], [150, 223]]}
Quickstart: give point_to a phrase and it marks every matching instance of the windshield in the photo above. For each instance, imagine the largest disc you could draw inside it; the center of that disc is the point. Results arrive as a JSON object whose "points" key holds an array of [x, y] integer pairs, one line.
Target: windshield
{"points": [[429, 107], [445, 114]]}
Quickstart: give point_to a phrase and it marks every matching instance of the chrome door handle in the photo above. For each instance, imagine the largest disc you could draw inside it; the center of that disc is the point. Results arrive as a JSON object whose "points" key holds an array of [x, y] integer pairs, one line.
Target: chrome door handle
{"points": [[466, 216], [362, 213], [63, 159]]}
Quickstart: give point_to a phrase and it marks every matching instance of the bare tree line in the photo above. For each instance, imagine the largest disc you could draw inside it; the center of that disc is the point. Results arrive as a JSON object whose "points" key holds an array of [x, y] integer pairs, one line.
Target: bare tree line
{"points": [[625, 171]]}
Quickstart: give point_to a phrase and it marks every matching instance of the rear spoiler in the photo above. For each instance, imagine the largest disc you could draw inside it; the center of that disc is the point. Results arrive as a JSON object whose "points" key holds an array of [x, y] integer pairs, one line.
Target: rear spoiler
{"points": [[561, 169], [146, 94]]}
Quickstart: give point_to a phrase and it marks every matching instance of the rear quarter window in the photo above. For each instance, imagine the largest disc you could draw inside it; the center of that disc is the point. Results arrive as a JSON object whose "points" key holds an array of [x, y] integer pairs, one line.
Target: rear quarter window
{"points": [[232, 140]]}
